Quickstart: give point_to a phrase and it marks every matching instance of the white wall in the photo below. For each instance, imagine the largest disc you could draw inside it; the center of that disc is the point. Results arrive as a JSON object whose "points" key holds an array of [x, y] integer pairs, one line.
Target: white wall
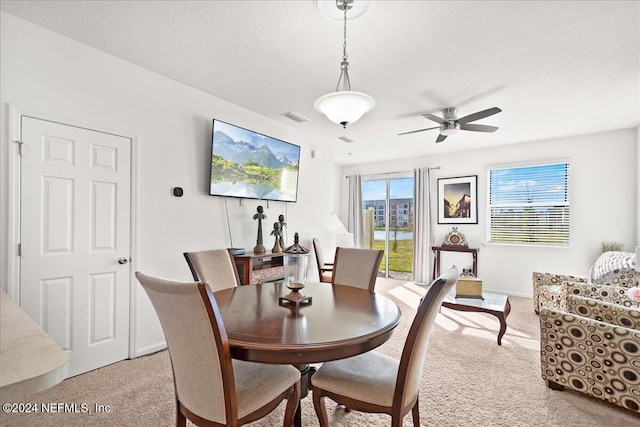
{"points": [[604, 202], [638, 188], [48, 74]]}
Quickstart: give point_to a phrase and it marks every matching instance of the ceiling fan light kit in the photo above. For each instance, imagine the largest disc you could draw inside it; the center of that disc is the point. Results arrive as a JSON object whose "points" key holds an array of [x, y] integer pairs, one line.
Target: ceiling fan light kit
{"points": [[449, 128], [344, 106], [450, 124]]}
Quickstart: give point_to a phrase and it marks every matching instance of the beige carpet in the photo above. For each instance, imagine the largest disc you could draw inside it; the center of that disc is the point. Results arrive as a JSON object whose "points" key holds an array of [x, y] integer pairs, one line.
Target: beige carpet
{"points": [[468, 380]]}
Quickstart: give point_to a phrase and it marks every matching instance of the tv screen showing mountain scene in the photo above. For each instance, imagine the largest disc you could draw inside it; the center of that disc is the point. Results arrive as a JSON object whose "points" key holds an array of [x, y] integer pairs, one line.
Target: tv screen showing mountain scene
{"points": [[250, 165]]}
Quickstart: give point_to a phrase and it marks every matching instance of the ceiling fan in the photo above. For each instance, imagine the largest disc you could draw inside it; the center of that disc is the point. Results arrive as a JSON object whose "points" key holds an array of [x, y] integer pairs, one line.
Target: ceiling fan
{"points": [[450, 124]]}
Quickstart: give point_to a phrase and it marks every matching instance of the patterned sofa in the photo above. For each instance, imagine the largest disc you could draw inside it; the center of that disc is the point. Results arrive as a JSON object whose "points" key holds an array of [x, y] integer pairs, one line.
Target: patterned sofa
{"points": [[609, 278], [593, 347]]}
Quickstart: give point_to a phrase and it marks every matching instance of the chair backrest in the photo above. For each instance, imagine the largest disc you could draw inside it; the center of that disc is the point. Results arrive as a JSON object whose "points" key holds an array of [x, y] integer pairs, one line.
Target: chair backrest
{"points": [[318, 250], [213, 267], [198, 345], [415, 347], [356, 267]]}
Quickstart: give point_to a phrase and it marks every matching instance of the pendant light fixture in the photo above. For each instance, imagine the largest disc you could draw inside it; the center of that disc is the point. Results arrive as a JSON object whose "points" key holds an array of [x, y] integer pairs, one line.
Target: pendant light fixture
{"points": [[344, 106]]}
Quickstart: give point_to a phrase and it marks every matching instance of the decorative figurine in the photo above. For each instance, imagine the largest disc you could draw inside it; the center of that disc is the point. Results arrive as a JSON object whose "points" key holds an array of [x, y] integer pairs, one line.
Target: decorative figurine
{"points": [[277, 232], [259, 248], [283, 225]]}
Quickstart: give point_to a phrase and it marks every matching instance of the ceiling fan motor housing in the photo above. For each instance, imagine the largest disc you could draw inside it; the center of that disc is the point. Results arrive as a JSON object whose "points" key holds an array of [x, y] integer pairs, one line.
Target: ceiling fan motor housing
{"points": [[451, 126], [450, 113]]}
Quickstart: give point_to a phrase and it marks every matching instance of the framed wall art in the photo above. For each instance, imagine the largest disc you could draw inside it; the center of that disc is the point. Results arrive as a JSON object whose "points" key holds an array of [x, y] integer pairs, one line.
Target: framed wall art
{"points": [[458, 200]]}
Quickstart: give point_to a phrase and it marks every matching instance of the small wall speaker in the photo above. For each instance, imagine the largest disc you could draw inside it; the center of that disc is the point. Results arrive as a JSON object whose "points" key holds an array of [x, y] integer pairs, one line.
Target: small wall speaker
{"points": [[177, 191]]}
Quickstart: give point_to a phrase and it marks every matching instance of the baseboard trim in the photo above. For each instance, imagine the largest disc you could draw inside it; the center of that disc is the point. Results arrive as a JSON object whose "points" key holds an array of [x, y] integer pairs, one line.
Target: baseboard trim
{"points": [[150, 349]]}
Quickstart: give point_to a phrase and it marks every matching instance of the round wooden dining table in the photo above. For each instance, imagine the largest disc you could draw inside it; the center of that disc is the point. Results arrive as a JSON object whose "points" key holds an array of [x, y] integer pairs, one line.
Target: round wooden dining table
{"points": [[338, 322]]}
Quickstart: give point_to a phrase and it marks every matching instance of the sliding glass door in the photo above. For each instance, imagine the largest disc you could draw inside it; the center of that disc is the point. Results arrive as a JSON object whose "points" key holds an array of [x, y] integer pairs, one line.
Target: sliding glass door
{"points": [[388, 208]]}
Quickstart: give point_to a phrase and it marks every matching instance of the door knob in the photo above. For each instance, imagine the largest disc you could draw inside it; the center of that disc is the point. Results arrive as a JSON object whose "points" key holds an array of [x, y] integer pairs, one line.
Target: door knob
{"points": [[123, 260]]}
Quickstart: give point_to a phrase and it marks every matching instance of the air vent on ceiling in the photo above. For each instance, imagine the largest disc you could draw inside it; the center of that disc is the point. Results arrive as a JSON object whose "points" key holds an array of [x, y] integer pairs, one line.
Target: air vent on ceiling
{"points": [[345, 139], [295, 117]]}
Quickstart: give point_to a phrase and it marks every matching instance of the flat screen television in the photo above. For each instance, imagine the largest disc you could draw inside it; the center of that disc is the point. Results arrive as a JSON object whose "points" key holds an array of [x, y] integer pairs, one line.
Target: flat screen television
{"points": [[251, 165]]}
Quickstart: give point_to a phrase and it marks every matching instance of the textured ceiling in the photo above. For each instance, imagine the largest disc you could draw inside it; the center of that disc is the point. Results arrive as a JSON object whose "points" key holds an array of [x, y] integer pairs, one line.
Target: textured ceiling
{"points": [[556, 68]]}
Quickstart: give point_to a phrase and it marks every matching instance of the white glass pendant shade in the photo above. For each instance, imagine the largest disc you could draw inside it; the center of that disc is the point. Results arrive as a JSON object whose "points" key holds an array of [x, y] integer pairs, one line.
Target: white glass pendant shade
{"points": [[344, 107]]}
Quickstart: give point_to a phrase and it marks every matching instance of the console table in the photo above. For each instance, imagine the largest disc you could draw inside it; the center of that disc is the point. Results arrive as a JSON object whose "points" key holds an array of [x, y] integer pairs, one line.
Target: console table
{"points": [[436, 260], [258, 268]]}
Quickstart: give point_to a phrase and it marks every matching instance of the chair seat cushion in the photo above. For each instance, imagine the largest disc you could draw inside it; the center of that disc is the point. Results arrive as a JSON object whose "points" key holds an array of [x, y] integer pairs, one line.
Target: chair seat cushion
{"points": [[369, 377], [258, 383], [325, 276]]}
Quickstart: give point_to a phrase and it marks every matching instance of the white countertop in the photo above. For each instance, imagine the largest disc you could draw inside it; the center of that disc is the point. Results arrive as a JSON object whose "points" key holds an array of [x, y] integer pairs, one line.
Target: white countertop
{"points": [[30, 360]]}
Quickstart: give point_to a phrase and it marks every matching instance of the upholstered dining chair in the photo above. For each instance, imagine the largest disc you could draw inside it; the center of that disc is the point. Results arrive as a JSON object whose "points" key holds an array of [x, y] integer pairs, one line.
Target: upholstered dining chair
{"points": [[325, 269], [214, 267], [356, 267], [211, 389], [374, 382]]}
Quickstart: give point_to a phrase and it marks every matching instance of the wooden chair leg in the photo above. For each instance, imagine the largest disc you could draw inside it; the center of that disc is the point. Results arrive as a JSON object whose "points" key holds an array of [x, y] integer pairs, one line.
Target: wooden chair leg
{"points": [[319, 406], [554, 385], [293, 400], [415, 412], [181, 420]]}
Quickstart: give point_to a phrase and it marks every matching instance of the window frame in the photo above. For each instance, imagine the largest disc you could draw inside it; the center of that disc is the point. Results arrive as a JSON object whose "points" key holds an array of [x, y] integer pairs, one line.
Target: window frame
{"points": [[567, 203]]}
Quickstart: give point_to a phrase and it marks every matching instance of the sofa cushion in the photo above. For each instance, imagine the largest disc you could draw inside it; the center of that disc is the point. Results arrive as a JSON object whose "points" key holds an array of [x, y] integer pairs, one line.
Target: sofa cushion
{"points": [[604, 312], [615, 269], [611, 294]]}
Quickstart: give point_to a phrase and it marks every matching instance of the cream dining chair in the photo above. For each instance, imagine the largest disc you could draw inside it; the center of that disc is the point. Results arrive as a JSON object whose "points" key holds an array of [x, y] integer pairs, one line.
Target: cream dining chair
{"points": [[356, 267], [214, 267], [211, 389], [374, 382]]}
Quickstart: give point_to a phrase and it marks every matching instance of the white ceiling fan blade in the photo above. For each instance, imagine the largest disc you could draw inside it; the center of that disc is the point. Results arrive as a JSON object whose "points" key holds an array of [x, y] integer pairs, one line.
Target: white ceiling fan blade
{"points": [[419, 130], [441, 138], [478, 128], [434, 118], [479, 115]]}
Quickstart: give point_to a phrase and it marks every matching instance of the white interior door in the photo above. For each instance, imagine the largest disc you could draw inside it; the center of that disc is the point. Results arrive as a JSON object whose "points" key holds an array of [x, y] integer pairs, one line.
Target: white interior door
{"points": [[75, 227]]}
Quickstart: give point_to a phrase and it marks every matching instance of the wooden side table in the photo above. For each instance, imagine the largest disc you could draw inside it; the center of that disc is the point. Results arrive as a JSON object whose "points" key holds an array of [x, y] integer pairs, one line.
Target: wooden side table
{"points": [[258, 268], [436, 257]]}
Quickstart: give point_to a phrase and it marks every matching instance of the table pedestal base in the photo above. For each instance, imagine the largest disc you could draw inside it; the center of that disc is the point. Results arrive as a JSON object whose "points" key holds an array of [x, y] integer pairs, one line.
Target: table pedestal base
{"points": [[306, 371]]}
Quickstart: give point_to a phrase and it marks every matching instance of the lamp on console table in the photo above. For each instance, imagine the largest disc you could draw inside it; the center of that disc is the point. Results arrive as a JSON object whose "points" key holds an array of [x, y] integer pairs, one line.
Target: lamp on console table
{"points": [[344, 240]]}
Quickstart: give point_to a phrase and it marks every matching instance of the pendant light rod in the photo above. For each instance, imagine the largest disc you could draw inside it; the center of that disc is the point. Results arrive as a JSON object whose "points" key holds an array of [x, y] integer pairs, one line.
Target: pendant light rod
{"points": [[344, 65]]}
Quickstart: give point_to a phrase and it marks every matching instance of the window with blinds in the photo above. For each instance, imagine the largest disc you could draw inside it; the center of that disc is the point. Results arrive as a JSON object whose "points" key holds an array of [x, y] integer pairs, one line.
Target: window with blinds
{"points": [[529, 205]]}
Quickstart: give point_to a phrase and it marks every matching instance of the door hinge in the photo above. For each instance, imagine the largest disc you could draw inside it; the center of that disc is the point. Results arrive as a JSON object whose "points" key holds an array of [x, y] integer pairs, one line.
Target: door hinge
{"points": [[19, 249], [20, 144]]}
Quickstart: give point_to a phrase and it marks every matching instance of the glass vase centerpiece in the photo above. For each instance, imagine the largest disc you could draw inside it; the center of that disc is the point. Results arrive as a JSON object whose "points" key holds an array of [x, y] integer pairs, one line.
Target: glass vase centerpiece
{"points": [[296, 263]]}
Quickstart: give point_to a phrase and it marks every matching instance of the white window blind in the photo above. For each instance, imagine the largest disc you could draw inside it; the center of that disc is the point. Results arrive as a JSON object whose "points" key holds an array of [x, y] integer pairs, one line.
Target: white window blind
{"points": [[529, 204]]}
